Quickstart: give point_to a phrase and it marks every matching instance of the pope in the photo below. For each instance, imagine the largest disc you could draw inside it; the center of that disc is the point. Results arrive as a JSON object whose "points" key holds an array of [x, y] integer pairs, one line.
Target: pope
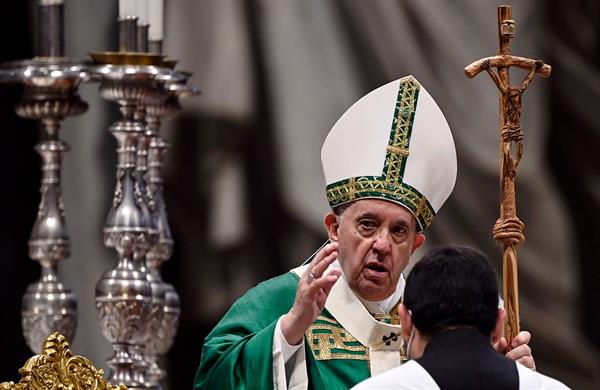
{"points": [[390, 164]]}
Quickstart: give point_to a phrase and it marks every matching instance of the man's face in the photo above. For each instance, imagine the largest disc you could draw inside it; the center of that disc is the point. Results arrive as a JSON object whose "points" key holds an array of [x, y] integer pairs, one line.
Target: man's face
{"points": [[376, 239]]}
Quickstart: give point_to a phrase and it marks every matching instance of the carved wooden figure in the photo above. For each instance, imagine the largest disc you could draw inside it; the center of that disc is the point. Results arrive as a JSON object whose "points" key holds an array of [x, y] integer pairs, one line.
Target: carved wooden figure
{"points": [[508, 230]]}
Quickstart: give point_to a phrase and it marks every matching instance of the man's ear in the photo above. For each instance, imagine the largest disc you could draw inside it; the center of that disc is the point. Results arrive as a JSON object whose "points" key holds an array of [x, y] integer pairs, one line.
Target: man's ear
{"points": [[498, 330], [331, 224], [419, 240], [405, 322]]}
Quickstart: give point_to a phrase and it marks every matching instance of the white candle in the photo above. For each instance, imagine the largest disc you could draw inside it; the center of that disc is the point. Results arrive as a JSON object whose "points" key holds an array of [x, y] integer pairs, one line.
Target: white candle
{"points": [[142, 11], [155, 17], [127, 8]]}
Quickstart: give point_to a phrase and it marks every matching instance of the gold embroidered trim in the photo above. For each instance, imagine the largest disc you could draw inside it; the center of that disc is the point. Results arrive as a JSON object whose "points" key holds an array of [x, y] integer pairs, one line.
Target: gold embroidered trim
{"points": [[328, 340], [351, 188], [397, 150], [390, 184], [400, 134], [364, 187], [393, 319]]}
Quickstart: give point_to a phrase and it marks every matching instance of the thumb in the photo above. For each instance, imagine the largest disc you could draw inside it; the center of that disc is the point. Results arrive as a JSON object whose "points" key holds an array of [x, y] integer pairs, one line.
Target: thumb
{"points": [[501, 345]]}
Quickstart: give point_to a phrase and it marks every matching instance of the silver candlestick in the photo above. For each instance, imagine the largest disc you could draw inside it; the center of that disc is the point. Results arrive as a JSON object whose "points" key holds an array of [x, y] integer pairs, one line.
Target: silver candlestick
{"points": [[124, 297], [161, 340], [50, 95]]}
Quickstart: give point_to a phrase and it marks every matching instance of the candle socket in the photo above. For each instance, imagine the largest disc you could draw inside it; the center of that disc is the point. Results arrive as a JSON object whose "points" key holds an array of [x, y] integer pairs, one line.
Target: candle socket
{"points": [[128, 34]]}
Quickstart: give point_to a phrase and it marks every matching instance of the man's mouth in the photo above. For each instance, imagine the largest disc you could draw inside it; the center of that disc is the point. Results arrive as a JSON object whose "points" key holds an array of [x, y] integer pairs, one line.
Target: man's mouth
{"points": [[376, 270]]}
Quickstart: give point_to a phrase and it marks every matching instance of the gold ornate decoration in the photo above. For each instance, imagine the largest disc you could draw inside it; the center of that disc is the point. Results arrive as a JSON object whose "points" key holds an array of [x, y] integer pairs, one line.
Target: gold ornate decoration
{"points": [[390, 184], [328, 340], [388, 318], [57, 368], [508, 230]]}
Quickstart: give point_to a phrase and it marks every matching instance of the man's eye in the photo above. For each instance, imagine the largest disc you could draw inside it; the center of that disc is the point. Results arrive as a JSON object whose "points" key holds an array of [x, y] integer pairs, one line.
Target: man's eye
{"points": [[400, 230], [367, 224]]}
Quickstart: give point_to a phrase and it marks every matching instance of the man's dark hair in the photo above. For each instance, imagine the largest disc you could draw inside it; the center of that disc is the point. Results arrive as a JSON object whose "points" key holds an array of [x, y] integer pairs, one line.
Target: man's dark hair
{"points": [[339, 210], [452, 286]]}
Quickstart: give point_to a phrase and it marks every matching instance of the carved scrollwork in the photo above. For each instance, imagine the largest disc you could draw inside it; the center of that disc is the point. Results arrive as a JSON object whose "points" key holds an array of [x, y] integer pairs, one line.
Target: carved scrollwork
{"points": [[125, 240], [43, 206], [150, 195], [118, 196], [161, 251], [36, 326], [58, 368], [57, 250], [162, 340], [123, 320]]}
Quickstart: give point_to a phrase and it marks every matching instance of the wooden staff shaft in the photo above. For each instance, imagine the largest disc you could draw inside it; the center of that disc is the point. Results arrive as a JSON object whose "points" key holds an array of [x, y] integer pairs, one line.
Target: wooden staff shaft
{"points": [[508, 205], [508, 230], [510, 284]]}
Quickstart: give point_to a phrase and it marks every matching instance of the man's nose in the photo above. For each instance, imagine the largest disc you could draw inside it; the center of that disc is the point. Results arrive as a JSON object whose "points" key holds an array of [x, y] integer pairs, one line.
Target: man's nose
{"points": [[382, 243]]}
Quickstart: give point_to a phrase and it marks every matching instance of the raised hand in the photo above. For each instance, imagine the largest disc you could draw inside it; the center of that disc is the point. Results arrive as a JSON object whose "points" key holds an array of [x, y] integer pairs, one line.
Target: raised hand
{"points": [[313, 288]]}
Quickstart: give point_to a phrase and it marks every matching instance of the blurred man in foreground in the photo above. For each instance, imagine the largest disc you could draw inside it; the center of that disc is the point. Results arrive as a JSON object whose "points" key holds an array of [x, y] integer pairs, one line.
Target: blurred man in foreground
{"points": [[450, 318]]}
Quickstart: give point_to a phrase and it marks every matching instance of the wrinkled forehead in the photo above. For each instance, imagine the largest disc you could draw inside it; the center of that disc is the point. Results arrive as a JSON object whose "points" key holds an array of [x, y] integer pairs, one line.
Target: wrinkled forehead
{"points": [[378, 207]]}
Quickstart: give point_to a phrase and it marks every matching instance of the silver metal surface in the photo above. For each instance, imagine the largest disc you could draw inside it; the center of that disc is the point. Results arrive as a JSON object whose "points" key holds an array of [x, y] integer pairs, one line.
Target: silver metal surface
{"points": [[51, 31], [50, 95], [142, 38], [128, 33], [130, 228], [45, 72], [47, 305], [161, 338]]}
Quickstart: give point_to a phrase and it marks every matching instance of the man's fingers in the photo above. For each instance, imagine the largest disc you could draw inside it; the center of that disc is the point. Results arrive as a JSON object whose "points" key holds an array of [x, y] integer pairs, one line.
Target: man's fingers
{"points": [[325, 283], [528, 362], [332, 277], [326, 251], [521, 351], [523, 337], [319, 268], [322, 260]]}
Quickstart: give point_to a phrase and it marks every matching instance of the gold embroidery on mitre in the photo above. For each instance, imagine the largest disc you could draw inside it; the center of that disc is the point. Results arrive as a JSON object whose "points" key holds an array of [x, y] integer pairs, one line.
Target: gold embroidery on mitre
{"points": [[400, 134], [328, 340], [365, 186], [390, 184], [351, 188], [397, 150]]}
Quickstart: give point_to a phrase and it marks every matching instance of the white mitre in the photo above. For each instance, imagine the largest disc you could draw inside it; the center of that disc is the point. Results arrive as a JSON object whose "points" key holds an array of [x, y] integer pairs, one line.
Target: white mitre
{"points": [[394, 144]]}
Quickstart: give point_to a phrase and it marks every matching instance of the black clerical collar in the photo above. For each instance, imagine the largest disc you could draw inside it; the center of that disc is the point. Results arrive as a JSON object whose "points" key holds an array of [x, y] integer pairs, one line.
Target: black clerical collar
{"points": [[459, 336]]}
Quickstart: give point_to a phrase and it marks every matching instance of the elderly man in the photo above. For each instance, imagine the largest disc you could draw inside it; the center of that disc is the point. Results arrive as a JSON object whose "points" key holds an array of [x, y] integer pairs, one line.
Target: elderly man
{"points": [[390, 164], [449, 318]]}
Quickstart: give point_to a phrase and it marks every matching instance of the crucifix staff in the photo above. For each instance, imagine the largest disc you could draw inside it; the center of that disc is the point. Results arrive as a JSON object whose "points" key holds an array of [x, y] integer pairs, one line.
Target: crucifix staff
{"points": [[508, 229]]}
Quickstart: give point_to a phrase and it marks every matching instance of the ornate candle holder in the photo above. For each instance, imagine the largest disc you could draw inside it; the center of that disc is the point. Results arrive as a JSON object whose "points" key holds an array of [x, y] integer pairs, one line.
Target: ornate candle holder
{"points": [[50, 95], [161, 339], [125, 300]]}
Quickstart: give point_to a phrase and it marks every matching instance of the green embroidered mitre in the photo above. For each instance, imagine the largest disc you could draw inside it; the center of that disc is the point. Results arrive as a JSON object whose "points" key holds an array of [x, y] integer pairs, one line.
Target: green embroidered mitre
{"points": [[393, 144]]}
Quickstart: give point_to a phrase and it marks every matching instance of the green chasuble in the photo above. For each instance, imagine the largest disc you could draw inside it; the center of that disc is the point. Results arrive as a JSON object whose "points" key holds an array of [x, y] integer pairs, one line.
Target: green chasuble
{"points": [[237, 354]]}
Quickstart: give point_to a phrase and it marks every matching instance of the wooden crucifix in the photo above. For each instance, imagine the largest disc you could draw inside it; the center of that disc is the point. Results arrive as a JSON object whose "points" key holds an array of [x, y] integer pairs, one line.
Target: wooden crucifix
{"points": [[508, 229]]}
